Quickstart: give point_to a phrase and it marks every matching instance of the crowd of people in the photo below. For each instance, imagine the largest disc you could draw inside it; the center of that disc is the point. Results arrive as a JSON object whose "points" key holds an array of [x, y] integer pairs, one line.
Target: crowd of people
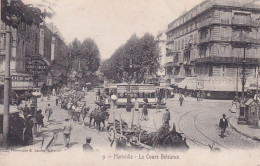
{"points": [[21, 126]]}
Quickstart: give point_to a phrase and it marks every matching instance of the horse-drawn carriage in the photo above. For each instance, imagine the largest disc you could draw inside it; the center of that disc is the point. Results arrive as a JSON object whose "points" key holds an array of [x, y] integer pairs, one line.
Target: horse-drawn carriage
{"points": [[122, 137]]}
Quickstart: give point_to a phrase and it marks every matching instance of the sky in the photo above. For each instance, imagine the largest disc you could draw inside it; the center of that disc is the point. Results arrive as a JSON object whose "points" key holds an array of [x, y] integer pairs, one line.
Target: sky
{"points": [[111, 22]]}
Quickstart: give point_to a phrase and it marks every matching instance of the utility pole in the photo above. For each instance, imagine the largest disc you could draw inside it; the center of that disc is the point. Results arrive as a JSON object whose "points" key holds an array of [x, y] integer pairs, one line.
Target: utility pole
{"points": [[7, 87], [243, 72]]}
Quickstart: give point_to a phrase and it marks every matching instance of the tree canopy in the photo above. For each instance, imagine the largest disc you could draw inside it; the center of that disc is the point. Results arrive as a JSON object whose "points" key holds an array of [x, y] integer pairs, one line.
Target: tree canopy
{"points": [[84, 58], [137, 55]]}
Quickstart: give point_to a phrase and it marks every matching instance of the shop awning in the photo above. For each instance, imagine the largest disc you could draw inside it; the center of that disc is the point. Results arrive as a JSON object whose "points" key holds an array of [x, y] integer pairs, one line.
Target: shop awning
{"points": [[215, 83]]}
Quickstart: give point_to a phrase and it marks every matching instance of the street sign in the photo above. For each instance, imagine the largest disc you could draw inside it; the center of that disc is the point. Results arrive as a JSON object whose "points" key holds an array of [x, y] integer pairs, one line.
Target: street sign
{"points": [[200, 84], [36, 66]]}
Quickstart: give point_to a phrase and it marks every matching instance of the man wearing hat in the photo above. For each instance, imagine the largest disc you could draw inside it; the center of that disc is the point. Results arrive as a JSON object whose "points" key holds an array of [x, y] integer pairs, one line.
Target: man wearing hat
{"points": [[86, 146], [166, 116], [223, 123]]}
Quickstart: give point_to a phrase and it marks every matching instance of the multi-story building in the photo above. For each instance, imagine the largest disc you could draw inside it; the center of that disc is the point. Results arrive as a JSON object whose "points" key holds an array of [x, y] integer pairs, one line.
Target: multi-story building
{"points": [[54, 50], [24, 44], [210, 43], [28, 41]]}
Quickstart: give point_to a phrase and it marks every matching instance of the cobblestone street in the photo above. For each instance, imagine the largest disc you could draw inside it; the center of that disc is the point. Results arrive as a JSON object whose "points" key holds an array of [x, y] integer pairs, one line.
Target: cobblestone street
{"points": [[197, 120]]}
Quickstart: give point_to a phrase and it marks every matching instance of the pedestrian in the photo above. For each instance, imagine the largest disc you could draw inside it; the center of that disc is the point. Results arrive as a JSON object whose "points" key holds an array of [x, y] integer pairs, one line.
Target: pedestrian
{"points": [[113, 100], [158, 104], [48, 112], [20, 129], [28, 134], [223, 124], [86, 146], [39, 120], [66, 132], [198, 96], [26, 110], [136, 105], [144, 115], [181, 100], [166, 117], [57, 101], [16, 129]]}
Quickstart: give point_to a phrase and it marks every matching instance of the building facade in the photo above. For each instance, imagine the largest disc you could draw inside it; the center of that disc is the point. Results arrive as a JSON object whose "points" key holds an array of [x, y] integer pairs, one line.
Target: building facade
{"points": [[28, 41], [54, 50], [212, 40], [24, 44]]}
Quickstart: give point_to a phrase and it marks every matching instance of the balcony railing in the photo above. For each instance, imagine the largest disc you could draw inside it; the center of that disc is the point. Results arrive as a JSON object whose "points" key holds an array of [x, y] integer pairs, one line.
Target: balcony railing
{"points": [[207, 22], [234, 39], [205, 40], [241, 39], [245, 22], [214, 59]]}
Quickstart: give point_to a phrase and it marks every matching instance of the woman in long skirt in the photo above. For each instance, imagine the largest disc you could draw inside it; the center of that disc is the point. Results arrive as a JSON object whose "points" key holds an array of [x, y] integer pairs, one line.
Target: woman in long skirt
{"points": [[28, 134]]}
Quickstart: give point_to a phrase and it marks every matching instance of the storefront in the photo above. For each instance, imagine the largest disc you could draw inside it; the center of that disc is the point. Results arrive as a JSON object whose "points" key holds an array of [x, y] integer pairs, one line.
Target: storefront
{"points": [[223, 88], [21, 84]]}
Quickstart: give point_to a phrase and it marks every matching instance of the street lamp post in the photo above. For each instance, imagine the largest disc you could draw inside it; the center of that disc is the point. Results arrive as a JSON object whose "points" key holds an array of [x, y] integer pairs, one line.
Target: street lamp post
{"points": [[7, 87], [257, 102]]}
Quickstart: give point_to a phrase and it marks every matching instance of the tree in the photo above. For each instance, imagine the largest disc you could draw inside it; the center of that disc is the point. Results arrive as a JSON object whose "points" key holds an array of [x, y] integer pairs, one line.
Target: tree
{"points": [[141, 54], [90, 53], [84, 59]]}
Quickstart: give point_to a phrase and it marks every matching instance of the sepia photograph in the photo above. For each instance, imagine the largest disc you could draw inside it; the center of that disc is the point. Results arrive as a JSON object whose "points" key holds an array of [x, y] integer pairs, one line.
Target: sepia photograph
{"points": [[123, 82]]}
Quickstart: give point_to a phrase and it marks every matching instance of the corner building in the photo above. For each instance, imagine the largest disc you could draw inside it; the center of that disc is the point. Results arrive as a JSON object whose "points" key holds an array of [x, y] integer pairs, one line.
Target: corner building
{"points": [[208, 44]]}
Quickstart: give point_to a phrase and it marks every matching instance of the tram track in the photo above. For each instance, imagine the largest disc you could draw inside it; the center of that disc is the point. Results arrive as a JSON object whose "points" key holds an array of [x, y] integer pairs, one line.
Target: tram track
{"points": [[199, 143]]}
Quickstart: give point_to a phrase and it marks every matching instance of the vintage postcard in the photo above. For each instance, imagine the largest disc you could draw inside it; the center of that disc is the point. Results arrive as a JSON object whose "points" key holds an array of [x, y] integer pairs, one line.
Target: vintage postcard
{"points": [[123, 82]]}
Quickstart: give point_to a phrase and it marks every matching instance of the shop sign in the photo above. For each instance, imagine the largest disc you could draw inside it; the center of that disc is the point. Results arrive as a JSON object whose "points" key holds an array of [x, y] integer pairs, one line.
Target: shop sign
{"points": [[200, 84], [36, 66]]}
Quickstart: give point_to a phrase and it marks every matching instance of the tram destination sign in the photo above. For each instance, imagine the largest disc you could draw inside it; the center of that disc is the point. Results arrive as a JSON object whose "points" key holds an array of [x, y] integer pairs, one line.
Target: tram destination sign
{"points": [[36, 66]]}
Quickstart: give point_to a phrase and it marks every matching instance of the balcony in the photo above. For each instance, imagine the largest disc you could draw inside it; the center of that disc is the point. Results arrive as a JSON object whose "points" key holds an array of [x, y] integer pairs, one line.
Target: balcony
{"points": [[205, 40], [241, 39], [228, 60], [169, 41], [244, 22], [207, 23]]}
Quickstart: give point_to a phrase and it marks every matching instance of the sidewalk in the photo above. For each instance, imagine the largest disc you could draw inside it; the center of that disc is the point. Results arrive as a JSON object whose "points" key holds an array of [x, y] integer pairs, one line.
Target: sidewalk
{"points": [[252, 132], [51, 130]]}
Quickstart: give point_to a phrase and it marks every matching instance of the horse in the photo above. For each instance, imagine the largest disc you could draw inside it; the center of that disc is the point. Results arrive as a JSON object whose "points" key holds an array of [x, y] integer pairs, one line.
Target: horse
{"points": [[100, 117], [173, 140]]}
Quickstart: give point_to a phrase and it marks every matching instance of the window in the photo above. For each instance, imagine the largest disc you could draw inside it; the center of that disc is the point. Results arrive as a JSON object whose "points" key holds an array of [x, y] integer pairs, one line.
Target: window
{"points": [[3, 41], [182, 43]]}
